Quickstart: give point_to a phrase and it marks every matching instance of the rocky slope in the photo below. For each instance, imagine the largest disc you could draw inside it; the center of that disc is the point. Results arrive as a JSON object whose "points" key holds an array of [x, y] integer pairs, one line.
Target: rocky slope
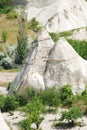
{"points": [[51, 64], [58, 15]]}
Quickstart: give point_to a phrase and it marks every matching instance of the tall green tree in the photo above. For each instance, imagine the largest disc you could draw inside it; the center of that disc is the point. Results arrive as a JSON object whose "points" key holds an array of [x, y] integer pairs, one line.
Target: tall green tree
{"points": [[22, 39]]}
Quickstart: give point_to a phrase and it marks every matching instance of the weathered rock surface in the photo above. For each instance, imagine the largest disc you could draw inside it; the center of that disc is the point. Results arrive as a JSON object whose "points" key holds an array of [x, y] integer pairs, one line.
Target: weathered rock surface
{"points": [[33, 69], [58, 15], [65, 66], [80, 34], [49, 64], [3, 125]]}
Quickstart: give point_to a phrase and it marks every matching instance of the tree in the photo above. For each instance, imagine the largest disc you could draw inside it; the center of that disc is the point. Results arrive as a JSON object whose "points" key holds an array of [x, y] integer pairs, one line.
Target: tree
{"points": [[34, 109], [22, 39], [72, 115]]}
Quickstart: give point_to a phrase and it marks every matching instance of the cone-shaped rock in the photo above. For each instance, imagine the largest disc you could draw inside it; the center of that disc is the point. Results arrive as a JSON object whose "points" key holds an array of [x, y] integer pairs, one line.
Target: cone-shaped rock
{"points": [[49, 64], [34, 66], [65, 66], [59, 15]]}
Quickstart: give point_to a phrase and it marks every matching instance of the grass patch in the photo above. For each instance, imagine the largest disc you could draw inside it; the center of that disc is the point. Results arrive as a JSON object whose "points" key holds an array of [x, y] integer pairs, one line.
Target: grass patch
{"points": [[10, 70], [4, 84], [56, 36], [11, 27]]}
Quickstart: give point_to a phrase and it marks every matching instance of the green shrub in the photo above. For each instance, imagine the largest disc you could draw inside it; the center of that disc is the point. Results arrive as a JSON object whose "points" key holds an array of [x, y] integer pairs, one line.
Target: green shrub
{"points": [[5, 6], [66, 95], [72, 115], [35, 109], [50, 97], [30, 93], [10, 103], [34, 25], [25, 124], [12, 15]]}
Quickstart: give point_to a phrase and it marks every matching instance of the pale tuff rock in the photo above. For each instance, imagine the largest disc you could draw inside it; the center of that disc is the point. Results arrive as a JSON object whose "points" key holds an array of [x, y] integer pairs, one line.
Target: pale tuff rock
{"points": [[79, 34], [51, 64], [58, 15], [3, 125], [65, 66], [33, 69]]}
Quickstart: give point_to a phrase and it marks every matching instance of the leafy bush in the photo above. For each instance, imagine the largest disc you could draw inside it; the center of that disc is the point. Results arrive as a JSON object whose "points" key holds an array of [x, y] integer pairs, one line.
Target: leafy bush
{"points": [[12, 15], [35, 109], [72, 115], [25, 124], [30, 93], [5, 3], [50, 97], [5, 6], [34, 25], [66, 95], [10, 103]]}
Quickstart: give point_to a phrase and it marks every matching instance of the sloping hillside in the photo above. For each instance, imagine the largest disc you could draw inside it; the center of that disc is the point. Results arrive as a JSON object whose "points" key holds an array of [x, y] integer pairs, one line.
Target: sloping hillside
{"points": [[58, 15]]}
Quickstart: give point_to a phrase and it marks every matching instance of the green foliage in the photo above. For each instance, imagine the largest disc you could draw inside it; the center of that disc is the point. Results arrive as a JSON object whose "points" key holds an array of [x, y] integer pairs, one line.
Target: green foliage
{"points": [[4, 36], [34, 25], [72, 115], [50, 97], [5, 3], [10, 103], [54, 36], [66, 95], [25, 124], [12, 15], [5, 6], [2, 100], [30, 93], [80, 47], [22, 47], [34, 109]]}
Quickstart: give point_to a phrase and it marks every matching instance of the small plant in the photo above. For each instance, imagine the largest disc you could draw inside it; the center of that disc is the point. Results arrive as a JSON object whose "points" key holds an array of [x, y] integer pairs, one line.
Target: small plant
{"points": [[66, 95], [4, 36], [54, 36], [51, 98], [2, 100], [72, 115], [12, 15], [10, 103], [34, 25]]}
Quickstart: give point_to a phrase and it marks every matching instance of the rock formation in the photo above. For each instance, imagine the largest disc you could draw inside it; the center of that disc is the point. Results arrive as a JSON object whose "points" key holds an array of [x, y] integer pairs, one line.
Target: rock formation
{"points": [[58, 15], [51, 64], [3, 125]]}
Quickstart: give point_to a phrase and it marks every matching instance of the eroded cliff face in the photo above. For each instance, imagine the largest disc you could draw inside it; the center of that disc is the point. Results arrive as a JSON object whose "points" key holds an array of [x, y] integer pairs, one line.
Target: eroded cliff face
{"points": [[51, 64], [58, 15]]}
